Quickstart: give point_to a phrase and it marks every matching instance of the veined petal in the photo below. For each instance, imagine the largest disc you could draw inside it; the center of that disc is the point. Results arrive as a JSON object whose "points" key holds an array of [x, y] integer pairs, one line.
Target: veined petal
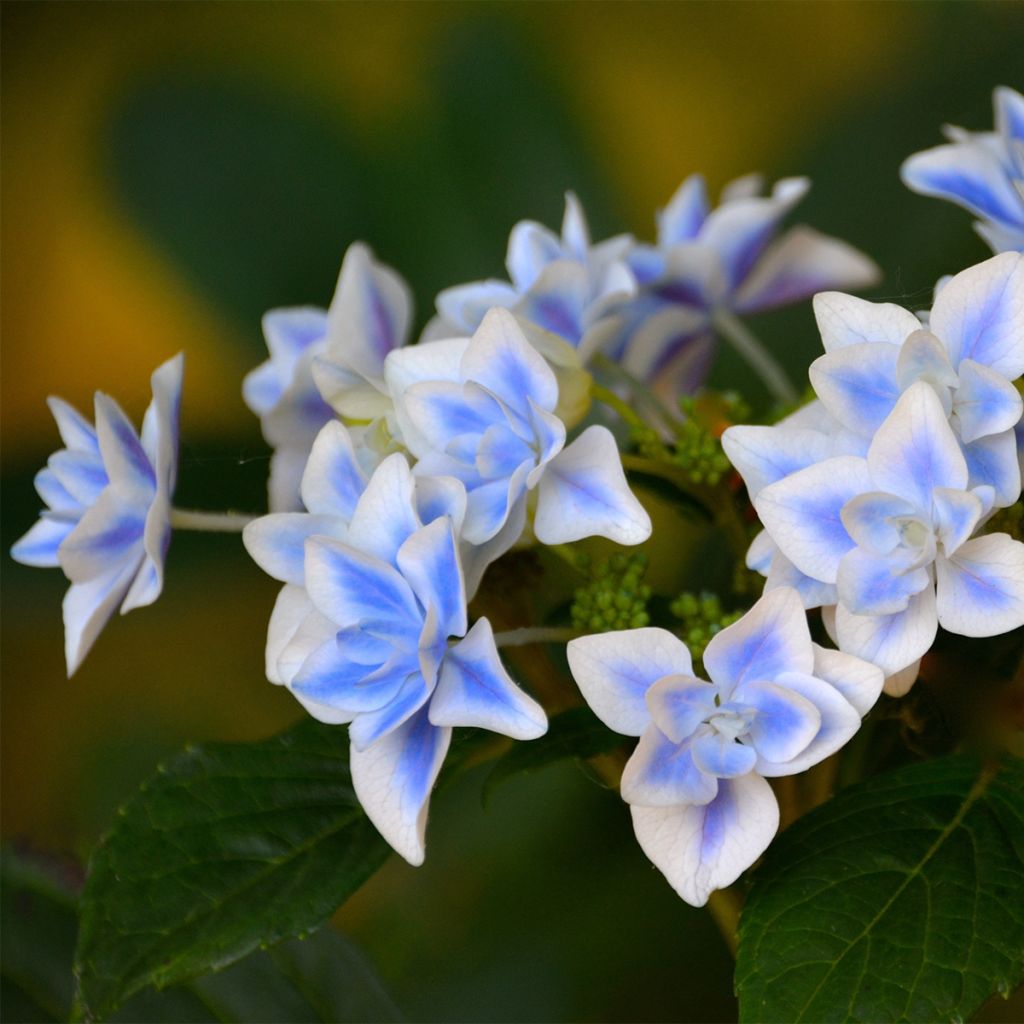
{"points": [[871, 584], [722, 756], [39, 546], [845, 320], [662, 773], [892, 642], [979, 314], [679, 703], [800, 264], [429, 561], [124, 459], [773, 637], [915, 450], [980, 588], [76, 431], [956, 515], [993, 461], [335, 675], [785, 720], [857, 384], [615, 670], [475, 690], [443, 411], [393, 779], [277, 542], [333, 481], [501, 359], [371, 726], [349, 586], [583, 493], [985, 403], [107, 536], [763, 455], [857, 680], [87, 608], [802, 513], [838, 718], [683, 217], [499, 452], [385, 514], [700, 848]]}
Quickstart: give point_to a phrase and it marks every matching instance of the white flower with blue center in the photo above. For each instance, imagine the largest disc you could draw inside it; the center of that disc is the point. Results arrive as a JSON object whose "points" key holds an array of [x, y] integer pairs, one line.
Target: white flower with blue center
{"points": [[107, 523], [565, 285], [709, 265], [361, 632], [970, 353], [326, 362], [981, 171], [894, 532], [482, 410], [776, 705]]}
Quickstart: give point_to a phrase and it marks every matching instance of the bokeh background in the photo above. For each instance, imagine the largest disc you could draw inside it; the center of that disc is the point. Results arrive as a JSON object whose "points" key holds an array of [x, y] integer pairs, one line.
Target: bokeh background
{"points": [[171, 171]]}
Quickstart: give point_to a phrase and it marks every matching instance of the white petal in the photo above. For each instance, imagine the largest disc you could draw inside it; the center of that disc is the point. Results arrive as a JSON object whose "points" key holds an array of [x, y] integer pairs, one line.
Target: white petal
{"points": [[88, 607], [985, 403], [108, 534], [464, 306], [277, 542], [290, 608], [385, 515], [662, 773], [899, 683], [857, 384], [333, 480], [124, 459], [859, 681], [583, 493], [844, 320], [76, 431], [615, 670], [393, 779], [475, 690], [892, 642], [39, 546], [703, 848], [763, 455], [981, 586]]}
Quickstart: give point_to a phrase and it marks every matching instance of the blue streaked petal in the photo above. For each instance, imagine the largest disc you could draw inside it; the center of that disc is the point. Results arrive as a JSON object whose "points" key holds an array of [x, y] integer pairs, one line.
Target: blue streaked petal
{"points": [[915, 450], [336, 675], [802, 513], [785, 722], [1009, 107], [615, 670], [106, 537], [464, 306], [868, 520], [262, 388], [993, 461], [429, 561], [813, 593], [557, 301], [846, 320], [700, 848], [277, 542], [870, 584], [924, 357], [351, 587], [385, 514], [124, 459], [489, 506], [857, 384], [584, 493], [56, 496], [892, 642], [371, 726], [438, 496], [662, 773], [442, 411], [722, 756], [773, 637], [683, 217], [39, 546], [333, 480], [548, 434], [87, 608], [290, 331], [76, 431], [981, 587], [499, 452], [985, 403], [475, 690], [763, 455], [979, 314], [531, 247], [838, 718], [81, 474], [393, 779], [679, 703], [956, 515]]}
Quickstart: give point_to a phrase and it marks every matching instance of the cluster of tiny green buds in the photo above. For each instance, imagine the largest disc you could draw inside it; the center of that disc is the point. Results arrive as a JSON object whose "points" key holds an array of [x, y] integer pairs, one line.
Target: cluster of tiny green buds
{"points": [[616, 597], [698, 451], [702, 618]]}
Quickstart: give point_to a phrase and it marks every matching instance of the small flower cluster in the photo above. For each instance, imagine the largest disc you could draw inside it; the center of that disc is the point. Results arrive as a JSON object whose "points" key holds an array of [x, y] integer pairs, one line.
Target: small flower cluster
{"points": [[616, 597]]}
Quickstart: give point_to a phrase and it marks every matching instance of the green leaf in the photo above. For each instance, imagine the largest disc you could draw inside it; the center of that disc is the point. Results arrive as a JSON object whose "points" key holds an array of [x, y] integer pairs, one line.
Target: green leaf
{"points": [[898, 900], [574, 733], [324, 978], [228, 847]]}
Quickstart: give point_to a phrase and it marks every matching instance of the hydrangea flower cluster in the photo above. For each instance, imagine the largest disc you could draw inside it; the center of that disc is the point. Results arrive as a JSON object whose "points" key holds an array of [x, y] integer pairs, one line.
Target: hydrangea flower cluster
{"points": [[776, 705], [981, 171], [878, 496]]}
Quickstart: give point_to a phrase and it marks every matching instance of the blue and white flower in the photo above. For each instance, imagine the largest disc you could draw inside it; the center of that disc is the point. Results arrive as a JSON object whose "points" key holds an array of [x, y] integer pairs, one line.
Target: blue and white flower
{"points": [[727, 260], [776, 705], [360, 633], [482, 410], [893, 531], [107, 521], [325, 363], [981, 171], [971, 352]]}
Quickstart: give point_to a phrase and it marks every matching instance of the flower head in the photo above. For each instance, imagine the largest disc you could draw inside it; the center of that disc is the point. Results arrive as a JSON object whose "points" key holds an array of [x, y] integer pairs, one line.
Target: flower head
{"points": [[981, 171], [776, 705], [108, 497]]}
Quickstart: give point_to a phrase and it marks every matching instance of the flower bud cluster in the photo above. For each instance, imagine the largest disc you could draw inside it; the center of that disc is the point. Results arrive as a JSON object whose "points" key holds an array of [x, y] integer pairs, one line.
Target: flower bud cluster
{"points": [[616, 597]]}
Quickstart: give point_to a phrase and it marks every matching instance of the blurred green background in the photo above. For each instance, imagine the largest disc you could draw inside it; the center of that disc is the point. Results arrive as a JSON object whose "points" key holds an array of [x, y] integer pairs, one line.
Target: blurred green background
{"points": [[171, 171]]}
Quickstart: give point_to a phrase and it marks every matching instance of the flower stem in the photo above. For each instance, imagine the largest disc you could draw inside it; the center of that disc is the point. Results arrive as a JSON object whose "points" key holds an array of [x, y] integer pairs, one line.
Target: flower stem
{"points": [[750, 348], [536, 635], [612, 400], [725, 906], [209, 522]]}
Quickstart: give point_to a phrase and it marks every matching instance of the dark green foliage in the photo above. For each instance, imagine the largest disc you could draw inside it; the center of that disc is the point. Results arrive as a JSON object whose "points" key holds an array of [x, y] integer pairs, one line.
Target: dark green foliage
{"points": [[898, 900]]}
